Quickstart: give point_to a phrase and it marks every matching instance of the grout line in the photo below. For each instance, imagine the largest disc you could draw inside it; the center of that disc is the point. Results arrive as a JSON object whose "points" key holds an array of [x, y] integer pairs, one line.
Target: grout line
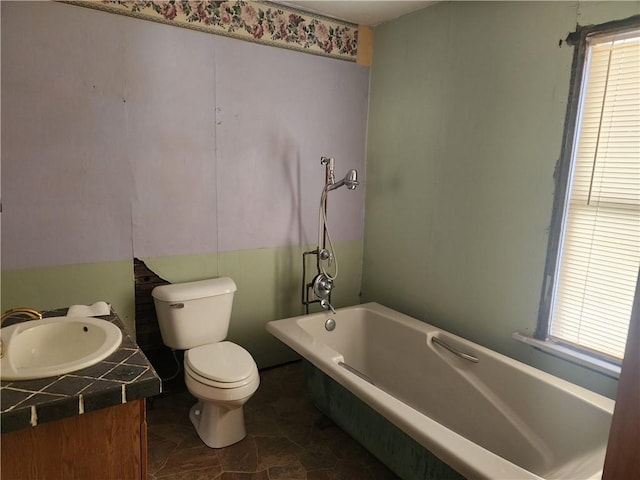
{"points": [[34, 416]]}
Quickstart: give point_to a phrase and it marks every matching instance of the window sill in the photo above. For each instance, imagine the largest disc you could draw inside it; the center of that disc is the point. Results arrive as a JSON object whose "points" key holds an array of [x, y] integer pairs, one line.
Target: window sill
{"points": [[558, 350]]}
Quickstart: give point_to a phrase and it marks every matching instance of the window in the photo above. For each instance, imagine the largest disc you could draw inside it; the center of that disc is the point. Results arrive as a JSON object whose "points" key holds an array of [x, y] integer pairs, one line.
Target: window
{"points": [[594, 246]]}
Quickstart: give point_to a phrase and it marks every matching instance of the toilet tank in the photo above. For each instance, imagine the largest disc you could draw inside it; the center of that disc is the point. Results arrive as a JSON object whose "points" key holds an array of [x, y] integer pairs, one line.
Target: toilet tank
{"points": [[194, 313]]}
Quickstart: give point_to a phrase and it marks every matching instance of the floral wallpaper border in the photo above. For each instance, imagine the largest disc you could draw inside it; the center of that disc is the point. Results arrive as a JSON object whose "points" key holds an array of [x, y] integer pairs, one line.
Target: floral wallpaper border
{"points": [[256, 21]]}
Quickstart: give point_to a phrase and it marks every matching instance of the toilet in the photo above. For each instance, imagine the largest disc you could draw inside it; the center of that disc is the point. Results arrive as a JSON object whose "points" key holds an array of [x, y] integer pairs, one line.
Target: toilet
{"points": [[195, 317]]}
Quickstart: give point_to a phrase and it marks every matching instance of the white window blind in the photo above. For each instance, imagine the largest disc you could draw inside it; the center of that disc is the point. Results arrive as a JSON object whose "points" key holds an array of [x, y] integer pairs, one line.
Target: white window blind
{"points": [[600, 253]]}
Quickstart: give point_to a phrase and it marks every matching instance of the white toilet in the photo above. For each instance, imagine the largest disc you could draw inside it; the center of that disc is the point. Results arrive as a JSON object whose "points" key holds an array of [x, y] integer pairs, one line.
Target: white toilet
{"points": [[195, 317]]}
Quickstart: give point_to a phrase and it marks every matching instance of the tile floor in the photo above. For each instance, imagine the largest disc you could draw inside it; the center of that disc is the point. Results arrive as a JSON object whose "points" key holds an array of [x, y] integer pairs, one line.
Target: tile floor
{"points": [[287, 439]]}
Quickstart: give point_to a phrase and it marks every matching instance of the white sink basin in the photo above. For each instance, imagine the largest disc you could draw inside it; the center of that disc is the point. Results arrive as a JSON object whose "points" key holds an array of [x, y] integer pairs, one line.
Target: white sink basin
{"points": [[54, 346]]}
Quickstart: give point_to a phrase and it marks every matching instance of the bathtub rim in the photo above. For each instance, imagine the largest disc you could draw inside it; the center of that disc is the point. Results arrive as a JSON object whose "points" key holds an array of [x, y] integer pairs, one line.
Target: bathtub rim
{"points": [[477, 462]]}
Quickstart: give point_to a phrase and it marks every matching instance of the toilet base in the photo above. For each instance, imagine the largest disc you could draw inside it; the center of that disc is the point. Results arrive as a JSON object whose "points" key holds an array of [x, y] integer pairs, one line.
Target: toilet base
{"points": [[218, 426]]}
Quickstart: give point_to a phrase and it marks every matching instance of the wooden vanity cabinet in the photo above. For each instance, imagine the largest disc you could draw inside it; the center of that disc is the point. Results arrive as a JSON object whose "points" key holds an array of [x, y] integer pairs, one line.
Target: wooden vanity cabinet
{"points": [[110, 443]]}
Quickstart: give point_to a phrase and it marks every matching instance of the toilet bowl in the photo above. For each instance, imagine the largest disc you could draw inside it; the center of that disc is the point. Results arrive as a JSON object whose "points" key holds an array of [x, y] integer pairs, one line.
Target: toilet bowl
{"points": [[220, 374]]}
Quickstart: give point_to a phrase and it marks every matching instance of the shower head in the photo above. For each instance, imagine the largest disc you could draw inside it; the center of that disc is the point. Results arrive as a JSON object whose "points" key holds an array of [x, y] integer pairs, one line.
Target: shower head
{"points": [[350, 180]]}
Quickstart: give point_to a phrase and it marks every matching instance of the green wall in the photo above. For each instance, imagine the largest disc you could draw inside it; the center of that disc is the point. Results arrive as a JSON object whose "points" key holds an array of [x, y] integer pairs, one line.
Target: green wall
{"points": [[268, 280], [467, 107], [269, 288], [56, 287]]}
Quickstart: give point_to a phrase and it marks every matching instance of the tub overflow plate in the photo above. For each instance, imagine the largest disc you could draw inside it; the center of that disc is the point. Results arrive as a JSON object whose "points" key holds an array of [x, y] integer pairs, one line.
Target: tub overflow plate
{"points": [[330, 324]]}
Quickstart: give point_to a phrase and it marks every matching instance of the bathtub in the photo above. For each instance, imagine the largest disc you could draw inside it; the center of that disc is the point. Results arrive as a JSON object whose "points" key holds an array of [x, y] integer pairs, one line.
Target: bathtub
{"points": [[478, 412]]}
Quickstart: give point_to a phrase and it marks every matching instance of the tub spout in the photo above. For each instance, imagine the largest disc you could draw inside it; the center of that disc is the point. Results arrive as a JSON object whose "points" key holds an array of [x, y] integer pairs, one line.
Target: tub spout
{"points": [[324, 303]]}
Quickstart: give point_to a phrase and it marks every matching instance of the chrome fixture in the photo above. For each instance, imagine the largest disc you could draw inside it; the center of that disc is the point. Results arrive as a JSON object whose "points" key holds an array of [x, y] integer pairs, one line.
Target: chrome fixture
{"points": [[330, 325], [324, 303], [329, 175], [322, 286], [350, 180], [454, 350], [356, 372], [322, 282]]}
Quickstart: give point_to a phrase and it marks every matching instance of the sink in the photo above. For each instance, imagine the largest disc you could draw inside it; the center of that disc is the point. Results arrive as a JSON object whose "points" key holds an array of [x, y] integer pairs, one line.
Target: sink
{"points": [[55, 346]]}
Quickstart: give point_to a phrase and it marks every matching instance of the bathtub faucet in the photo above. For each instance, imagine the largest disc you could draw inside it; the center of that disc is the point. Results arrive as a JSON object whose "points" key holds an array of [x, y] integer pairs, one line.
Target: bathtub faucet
{"points": [[324, 303]]}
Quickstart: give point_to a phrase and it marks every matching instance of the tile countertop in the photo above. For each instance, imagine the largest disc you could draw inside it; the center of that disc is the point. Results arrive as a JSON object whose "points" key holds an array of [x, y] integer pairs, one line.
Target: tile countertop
{"points": [[124, 376]]}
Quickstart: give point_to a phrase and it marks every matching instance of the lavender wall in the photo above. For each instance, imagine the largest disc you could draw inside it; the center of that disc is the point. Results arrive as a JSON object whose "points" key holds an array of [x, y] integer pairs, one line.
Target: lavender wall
{"points": [[278, 113], [127, 138]]}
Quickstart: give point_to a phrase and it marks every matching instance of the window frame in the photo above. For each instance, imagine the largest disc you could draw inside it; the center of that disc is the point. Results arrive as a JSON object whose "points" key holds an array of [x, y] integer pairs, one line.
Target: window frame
{"points": [[562, 174]]}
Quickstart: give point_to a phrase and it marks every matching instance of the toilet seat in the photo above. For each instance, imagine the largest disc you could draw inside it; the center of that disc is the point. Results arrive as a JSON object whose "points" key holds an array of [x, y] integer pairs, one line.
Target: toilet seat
{"points": [[227, 386], [221, 365]]}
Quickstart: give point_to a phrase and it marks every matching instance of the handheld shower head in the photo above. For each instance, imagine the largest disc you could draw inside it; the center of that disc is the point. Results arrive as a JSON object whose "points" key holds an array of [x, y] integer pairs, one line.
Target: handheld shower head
{"points": [[350, 180]]}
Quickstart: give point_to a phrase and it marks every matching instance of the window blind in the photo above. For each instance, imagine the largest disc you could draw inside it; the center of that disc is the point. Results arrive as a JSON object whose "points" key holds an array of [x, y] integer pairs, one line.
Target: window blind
{"points": [[600, 253]]}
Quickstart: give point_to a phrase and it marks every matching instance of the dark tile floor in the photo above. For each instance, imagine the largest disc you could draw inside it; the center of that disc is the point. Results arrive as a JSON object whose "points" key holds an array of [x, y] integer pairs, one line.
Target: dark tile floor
{"points": [[287, 439]]}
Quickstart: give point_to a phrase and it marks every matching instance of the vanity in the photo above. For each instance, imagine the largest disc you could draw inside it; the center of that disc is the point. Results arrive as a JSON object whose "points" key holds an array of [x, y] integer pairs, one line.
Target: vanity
{"points": [[90, 423]]}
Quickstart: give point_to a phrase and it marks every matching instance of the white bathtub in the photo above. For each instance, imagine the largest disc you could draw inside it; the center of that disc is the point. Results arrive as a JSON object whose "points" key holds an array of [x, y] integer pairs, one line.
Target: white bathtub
{"points": [[492, 419]]}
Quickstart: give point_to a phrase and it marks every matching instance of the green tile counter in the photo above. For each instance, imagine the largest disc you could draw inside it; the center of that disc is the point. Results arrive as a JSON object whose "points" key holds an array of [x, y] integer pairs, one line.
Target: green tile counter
{"points": [[124, 376]]}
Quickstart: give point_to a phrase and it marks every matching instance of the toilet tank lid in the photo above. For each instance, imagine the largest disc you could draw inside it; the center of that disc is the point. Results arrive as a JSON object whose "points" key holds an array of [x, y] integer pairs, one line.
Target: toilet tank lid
{"points": [[180, 292]]}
